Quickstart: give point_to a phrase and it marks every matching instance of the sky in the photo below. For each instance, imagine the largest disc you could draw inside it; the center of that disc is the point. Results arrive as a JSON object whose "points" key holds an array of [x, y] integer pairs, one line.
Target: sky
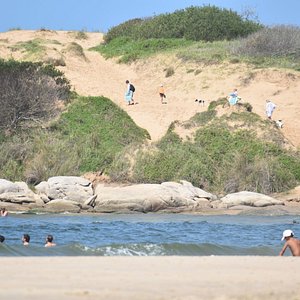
{"points": [[100, 15]]}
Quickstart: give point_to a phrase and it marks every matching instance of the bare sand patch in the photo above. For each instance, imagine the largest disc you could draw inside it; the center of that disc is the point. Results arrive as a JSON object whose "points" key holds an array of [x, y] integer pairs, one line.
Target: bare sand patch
{"points": [[152, 278]]}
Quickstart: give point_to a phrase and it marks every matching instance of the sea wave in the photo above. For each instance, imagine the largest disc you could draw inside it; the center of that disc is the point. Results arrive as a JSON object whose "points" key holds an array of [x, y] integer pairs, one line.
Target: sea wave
{"points": [[147, 249]]}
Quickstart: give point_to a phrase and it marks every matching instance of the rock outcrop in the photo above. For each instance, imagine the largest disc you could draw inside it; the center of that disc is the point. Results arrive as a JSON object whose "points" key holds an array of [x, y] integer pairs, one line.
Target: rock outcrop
{"points": [[71, 188], [18, 196], [248, 199], [75, 194], [151, 197]]}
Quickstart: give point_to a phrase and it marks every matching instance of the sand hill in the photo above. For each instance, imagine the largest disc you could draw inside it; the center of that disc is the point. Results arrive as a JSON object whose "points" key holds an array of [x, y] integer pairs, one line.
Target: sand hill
{"points": [[92, 75]]}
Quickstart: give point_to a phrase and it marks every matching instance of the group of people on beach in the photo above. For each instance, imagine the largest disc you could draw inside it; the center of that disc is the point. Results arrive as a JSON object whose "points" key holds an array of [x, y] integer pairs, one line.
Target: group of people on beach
{"points": [[26, 240]]}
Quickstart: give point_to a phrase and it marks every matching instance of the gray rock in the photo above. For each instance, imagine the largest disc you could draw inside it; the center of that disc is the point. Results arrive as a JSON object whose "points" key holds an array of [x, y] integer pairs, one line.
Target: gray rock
{"points": [[8, 186], [60, 206], [14, 207], [18, 193], [248, 199], [71, 188], [150, 197]]}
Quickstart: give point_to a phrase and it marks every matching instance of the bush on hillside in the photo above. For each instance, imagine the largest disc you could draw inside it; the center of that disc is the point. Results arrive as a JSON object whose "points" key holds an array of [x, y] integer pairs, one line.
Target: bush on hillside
{"points": [[271, 41], [85, 138], [207, 23], [222, 157], [220, 160], [29, 93]]}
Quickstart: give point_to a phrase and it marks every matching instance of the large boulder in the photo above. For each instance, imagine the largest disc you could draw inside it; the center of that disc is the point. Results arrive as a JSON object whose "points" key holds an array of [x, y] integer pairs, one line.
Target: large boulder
{"points": [[18, 193], [150, 197], [61, 206], [248, 199], [71, 188], [8, 186]]}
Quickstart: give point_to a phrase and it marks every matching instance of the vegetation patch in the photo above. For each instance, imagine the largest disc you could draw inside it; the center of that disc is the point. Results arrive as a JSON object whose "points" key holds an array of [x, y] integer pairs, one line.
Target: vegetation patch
{"points": [[129, 50], [222, 157], [34, 49], [79, 35], [87, 137], [206, 23], [76, 50], [29, 93]]}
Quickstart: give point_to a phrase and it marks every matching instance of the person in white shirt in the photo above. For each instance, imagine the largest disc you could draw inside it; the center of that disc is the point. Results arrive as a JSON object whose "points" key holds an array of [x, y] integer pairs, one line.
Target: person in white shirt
{"points": [[270, 106]]}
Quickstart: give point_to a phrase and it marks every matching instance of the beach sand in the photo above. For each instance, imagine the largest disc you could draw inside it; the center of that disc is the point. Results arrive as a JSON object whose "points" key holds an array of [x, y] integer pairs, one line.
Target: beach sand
{"points": [[213, 277]]}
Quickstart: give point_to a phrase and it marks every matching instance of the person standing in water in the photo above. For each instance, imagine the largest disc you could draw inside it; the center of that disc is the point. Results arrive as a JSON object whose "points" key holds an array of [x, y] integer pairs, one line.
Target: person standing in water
{"points": [[290, 242]]}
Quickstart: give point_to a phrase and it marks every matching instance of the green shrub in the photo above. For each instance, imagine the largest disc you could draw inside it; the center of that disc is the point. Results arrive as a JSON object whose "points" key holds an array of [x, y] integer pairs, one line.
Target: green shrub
{"points": [[75, 49], [207, 23], [201, 118], [100, 130], [215, 103], [220, 159], [170, 71]]}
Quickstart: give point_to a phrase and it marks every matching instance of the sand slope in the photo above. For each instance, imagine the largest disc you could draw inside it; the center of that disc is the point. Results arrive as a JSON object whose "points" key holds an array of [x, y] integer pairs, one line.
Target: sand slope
{"points": [[96, 76]]}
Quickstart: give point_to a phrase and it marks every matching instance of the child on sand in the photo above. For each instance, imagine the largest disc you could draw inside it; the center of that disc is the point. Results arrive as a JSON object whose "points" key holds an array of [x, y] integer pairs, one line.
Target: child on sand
{"points": [[49, 241], [162, 94], [291, 243]]}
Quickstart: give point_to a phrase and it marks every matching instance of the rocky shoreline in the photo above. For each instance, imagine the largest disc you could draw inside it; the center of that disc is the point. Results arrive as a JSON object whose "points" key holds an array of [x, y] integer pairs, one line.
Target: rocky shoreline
{"points": [[79, 195]]}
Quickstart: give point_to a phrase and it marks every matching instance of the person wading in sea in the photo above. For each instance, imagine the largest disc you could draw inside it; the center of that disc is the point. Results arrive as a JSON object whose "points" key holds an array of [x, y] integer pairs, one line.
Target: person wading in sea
{"points": [[290, 242]]}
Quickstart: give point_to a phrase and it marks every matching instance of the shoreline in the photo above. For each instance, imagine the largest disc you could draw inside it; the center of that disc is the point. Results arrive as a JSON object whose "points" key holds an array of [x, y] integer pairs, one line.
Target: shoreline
{"points": [[285, 210], [171, 277]]}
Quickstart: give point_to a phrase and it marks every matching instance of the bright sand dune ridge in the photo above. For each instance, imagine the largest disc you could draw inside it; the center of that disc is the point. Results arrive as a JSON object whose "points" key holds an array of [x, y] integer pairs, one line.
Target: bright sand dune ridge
{"points": [[141, 278], [96, 76]]}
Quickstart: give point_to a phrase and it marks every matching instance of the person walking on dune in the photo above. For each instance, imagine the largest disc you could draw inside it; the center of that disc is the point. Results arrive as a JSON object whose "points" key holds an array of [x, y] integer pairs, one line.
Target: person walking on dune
{"points": [[270, 106], [162, 94], [129, 92], [290, 242]]}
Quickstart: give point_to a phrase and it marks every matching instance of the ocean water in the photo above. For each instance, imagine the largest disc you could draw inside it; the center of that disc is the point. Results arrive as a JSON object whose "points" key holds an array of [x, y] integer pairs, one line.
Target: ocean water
{"points": [[145, 234]]}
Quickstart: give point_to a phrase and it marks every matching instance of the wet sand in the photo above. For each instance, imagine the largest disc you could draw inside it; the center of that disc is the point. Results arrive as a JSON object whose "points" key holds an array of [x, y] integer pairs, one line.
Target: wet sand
{"points": [[138, 278]]}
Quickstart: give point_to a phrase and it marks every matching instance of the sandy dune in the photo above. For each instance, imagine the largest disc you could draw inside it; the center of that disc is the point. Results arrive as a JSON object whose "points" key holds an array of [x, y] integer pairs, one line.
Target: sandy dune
{"points": [[96, 76]]}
